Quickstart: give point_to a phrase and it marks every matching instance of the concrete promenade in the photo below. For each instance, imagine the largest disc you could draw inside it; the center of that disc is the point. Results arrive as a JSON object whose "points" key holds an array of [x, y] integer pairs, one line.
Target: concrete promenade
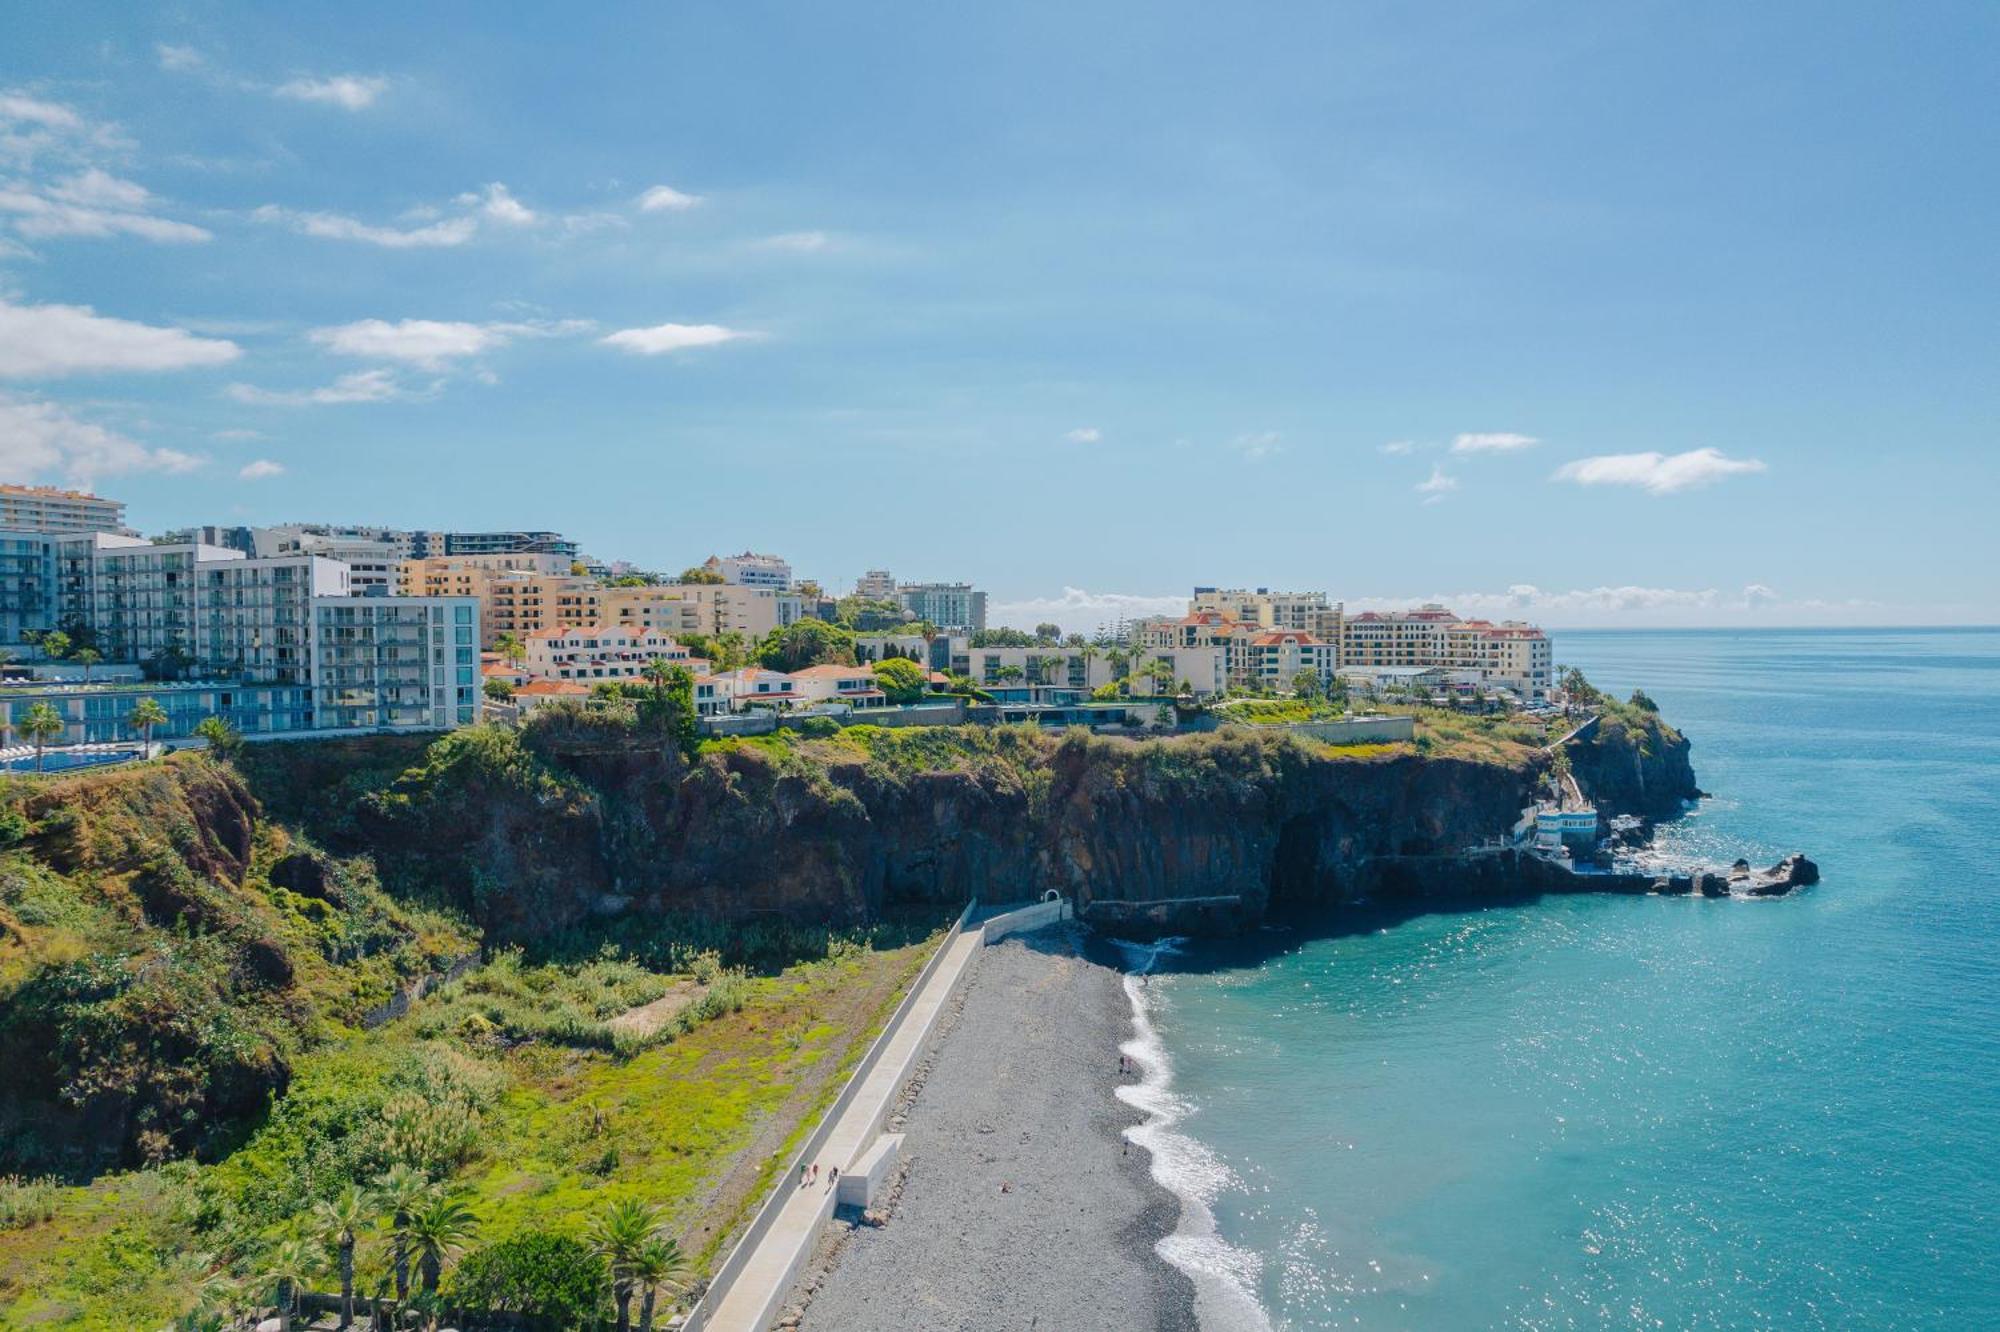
{"points": [[757, 1291]]}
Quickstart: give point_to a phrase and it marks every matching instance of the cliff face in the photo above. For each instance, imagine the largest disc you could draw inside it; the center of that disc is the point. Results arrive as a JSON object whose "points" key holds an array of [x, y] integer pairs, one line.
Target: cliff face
{"points": [[1242, 825], [1634, 763]]}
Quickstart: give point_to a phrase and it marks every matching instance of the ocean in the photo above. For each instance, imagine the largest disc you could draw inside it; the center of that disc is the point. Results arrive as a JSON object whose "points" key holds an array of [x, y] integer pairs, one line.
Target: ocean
{"points": [[1635, 1112]]}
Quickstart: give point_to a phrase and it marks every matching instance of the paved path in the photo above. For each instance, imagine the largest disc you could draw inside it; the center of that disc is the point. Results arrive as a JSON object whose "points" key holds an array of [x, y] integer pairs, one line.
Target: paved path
{"points": [[758, 1293]]}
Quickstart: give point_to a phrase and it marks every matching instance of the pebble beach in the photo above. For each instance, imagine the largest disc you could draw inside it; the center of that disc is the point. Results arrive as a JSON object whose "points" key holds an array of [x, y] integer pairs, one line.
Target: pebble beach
{"points": [[1018, 1203]]}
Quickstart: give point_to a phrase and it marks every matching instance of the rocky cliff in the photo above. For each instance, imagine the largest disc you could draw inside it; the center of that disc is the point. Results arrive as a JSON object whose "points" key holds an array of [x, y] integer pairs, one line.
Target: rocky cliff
{"points": [[1632, 762], [537, 834]]}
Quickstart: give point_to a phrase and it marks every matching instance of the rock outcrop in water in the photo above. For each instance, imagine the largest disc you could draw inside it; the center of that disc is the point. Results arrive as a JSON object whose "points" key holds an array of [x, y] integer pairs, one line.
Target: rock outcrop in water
{"points": [[1632, 762]]}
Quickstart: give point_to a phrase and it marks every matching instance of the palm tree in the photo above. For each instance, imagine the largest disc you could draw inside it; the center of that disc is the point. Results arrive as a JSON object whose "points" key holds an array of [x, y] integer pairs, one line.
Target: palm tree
{"points": [[54, 643], [658, 1267], [145, 715], [288, 1267], [42, 724], [510, 647], [437, 1231], [619, 1235], [401, 1192], [87, 658], [339, 1222]]}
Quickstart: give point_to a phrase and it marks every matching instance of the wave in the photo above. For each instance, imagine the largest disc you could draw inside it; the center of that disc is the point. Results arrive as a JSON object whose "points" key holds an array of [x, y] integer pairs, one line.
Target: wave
{"points": [[1224, 1275]]}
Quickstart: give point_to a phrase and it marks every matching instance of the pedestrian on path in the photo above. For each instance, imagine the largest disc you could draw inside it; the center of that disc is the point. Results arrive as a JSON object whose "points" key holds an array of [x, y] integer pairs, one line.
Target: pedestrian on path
{"points": [[833, 1177]]}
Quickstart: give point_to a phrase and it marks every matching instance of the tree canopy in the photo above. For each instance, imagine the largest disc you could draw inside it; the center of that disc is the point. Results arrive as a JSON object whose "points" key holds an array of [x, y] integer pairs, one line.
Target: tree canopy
{"points": [[806, 643]]}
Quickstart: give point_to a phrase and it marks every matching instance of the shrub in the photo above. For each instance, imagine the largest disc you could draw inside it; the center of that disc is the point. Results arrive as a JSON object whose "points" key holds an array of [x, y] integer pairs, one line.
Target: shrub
{"points": [[26, 1202], [536, 1272]]}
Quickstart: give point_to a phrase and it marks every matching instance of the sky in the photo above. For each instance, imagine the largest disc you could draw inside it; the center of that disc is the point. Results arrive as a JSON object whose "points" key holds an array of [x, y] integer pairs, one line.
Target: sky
{"points": [[1634, 314]]}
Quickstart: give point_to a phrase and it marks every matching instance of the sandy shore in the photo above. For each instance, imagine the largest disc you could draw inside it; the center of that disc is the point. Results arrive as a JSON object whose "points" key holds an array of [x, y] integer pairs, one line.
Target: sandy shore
{"points": [[1018, 1206]]}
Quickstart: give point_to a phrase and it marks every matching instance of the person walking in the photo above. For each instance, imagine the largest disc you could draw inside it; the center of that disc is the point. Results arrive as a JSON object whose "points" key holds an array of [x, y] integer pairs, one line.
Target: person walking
{"points": [[832, 1177]]}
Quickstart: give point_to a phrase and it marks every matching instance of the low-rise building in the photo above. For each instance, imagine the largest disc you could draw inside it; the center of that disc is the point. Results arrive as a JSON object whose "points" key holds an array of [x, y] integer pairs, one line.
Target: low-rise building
{"points": [[852, 685], [751, 687], [1200, 666], [601, 652]]}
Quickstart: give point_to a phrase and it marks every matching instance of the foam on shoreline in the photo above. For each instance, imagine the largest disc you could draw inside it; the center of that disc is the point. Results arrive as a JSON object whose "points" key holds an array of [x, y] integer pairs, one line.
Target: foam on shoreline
{"points": [[1224, 1276]]}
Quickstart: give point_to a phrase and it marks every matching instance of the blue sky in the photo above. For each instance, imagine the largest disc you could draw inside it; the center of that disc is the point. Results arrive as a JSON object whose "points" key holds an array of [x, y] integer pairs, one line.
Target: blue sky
{"points": [[1640, 313]]}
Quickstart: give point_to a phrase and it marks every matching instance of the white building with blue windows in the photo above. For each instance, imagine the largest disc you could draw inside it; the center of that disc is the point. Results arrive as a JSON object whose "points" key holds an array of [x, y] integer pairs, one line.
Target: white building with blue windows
{"points": [[275, 646]]}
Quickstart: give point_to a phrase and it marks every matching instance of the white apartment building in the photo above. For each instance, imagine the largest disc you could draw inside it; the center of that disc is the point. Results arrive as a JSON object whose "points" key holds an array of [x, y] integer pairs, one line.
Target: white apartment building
{"points": [[298, 651], [602, 652], [1511, 655], [374, 567], [49, 509], [1277, 657], [955, 608], [876, 585], [751, 569]]}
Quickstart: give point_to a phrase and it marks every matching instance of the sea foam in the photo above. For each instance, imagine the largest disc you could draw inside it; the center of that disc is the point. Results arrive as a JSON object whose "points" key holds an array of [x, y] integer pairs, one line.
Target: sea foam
{"points": [[1225, 1276]]}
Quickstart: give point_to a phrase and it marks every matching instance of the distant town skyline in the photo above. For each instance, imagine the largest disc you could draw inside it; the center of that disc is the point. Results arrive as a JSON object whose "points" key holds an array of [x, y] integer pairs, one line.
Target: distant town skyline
{"points": [[1633, 317]]}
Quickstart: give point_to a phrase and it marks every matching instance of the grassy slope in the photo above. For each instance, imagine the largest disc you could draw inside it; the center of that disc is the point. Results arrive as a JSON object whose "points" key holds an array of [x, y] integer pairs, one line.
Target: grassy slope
{"points": [[565, 1114]]}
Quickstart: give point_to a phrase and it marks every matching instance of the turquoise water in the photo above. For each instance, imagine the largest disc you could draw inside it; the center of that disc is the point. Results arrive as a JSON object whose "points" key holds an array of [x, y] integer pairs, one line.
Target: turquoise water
{"points": [[1643, 1112]]}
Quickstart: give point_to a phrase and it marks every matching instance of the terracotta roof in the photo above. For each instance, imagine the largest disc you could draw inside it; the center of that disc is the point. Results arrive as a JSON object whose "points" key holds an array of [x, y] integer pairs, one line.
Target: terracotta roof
{"points": [[553, 689]]}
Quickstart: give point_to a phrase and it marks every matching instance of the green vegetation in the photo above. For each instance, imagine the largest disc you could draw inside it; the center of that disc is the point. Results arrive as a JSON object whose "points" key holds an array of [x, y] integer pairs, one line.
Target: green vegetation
{"points": [[201, 1109], [901, 679]]}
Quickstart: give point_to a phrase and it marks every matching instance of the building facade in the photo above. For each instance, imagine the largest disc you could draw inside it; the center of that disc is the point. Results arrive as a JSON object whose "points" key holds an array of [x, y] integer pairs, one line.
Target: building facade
{"points": [[283, 636], [751, 569], [1511, 655], [602, 652], [49, 509], [954, 608]]}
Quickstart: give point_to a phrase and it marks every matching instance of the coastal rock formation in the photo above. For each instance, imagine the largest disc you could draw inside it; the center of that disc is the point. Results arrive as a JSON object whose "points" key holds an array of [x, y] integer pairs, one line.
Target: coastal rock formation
{"points": [[1794, 871], [1633, 763]]}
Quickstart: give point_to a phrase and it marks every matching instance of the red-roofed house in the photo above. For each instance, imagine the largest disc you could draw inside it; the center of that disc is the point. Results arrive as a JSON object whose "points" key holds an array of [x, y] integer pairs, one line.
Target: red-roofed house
{"points": [[853, 685]]}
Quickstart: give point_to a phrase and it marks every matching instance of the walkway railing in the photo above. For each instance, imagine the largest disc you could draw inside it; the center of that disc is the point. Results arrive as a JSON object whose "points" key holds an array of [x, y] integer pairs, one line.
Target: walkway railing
{"points": [[787, 1180]]}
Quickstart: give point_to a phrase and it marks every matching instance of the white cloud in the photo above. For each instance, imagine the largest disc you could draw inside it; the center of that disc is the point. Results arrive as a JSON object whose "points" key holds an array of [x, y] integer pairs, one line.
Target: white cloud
{"points": [[96, 188], [1258, 445], [1658, 473], [20, 107], [40, 438], [425, 342], [361, 386], [1397, 448], [1084, 435], [1498, 442], [350, 92], [38, 341], [332, 226], [1437, 486], [1080, 612], [797, 242], [666, 199], [89, 202], [41, 218], [178, 58], [496, 202], [431, 342], [261, 469], [663, 338], [1629, 604]]}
